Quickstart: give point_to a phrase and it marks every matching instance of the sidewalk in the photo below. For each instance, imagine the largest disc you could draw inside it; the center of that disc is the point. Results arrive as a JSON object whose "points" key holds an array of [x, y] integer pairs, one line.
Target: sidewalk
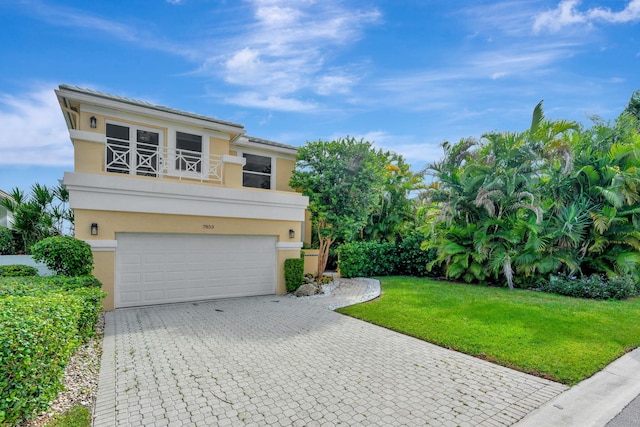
{"points": [[595, 401]]}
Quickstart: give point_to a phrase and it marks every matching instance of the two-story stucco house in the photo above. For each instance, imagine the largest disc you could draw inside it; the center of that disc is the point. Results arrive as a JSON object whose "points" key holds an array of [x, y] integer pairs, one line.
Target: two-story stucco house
{"points": [[177, 206]]}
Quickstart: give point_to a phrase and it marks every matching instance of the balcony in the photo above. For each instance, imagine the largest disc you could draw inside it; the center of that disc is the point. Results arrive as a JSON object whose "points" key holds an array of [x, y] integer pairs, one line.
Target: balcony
{"points": [[146, 159]]}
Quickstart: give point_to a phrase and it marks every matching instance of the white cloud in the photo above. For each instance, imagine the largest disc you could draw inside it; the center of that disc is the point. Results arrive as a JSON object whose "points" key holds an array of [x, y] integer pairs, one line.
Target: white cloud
{"points": [[567, 14], [334, 84], [34, 131], [271, 102], [286, 50]]}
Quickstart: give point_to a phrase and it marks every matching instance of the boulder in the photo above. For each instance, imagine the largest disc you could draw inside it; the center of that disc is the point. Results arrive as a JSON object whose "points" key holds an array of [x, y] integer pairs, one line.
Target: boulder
{"points": [[307, 289]]}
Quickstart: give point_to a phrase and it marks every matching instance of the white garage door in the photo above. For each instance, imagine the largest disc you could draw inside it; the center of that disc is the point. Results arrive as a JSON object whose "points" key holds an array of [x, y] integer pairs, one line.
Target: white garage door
{"points": [[165, 268]]}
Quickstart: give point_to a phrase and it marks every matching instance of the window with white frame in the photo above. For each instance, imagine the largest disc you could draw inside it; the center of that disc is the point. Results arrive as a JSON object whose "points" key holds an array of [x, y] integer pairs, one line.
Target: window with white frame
{"points": [[257, 171], [132, 150], [188, 152]]}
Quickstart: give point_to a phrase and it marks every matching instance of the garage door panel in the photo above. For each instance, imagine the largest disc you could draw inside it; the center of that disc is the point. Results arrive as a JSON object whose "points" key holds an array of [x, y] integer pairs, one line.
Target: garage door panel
{"points": [[164, 268]]}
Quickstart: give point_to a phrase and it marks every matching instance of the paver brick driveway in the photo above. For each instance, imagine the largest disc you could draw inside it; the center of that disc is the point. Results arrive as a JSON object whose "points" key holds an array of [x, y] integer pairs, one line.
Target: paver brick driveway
{"points": [[279, 361]]}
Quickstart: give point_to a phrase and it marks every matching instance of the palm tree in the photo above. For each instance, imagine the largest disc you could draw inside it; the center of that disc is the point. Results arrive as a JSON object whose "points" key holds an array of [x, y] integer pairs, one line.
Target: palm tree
{"points": [[37, 216]]}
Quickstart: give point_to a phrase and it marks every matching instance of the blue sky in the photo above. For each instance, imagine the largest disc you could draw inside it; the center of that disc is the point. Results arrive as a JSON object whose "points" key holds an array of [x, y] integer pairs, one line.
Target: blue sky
{"points": [[405, 74]]}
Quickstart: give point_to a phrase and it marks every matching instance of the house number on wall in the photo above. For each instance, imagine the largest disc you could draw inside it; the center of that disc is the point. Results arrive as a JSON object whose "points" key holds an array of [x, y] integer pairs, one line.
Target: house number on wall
{"points": [[208, 226]]}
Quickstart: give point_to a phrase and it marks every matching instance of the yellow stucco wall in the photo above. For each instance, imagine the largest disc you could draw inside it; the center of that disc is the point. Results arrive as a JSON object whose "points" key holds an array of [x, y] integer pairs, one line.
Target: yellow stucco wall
{"points": [[311, 261], [218, 146], [88, 156], [104, 270], [110, 223], [233, 175], [284, 168]]}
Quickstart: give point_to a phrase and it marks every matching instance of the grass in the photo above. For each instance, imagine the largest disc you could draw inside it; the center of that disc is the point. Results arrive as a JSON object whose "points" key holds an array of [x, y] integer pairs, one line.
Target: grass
{"points": [[560, 338], [76, 416]]}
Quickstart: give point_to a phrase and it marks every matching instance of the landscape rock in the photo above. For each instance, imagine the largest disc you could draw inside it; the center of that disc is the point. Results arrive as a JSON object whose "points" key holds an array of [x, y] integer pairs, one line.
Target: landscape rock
{"points": [[307, 289]]}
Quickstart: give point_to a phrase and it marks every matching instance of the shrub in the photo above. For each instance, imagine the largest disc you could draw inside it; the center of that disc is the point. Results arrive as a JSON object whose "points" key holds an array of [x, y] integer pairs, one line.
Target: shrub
{"points": [[365, 259], [293, 273], [85, 289], [7, 242], [411, 260], [42, 321], [38, 335], [65, 255], [17, 270], [594, 287]]}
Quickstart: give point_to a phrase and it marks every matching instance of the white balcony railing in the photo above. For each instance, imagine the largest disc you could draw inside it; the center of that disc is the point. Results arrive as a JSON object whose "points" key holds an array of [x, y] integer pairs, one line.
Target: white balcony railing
{"points": [[150, 160]]}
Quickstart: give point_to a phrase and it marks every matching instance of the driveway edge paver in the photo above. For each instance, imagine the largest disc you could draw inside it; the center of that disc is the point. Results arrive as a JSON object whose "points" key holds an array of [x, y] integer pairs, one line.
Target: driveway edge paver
{"points": [[104, 411]]}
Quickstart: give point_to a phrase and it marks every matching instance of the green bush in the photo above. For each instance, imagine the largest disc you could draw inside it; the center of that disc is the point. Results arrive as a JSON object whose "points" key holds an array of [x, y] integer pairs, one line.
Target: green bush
{"points": [[7, 241], [594, 287], [86, 289], [411, 260], [293, 273], [64, 255], [366, 259], [17, 270], [42, 321], [403, 257], [38, 335]]}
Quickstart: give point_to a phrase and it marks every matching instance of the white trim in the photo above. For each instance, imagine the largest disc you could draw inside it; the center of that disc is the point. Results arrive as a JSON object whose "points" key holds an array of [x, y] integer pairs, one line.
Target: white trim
{"points": [[243, 141], [288, 246], [88, 136], [105, 192], [272, 175], [146, 111], [236, 160], [103, 245]]}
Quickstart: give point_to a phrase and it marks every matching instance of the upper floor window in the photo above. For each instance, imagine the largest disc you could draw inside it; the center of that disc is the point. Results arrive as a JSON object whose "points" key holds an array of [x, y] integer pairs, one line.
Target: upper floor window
{"points": [[188, 152], [257, 171], [132, 150]]}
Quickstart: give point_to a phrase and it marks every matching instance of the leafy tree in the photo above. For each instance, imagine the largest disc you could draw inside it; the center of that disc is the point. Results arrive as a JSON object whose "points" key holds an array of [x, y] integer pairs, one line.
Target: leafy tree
{"points": [[343, 179], [395, 211]]}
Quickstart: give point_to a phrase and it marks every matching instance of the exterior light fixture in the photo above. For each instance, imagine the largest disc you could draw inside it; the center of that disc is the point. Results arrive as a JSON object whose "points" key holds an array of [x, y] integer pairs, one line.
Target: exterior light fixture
{"points": [[94, 228], [93, 122], [292, 234]]}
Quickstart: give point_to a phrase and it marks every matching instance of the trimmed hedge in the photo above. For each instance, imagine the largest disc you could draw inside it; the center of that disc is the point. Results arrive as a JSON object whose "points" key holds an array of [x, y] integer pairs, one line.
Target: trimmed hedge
{"points": [[87, 289], [294, 273], [366, 259], [593, 287], [403, 257], [42, 322], [17, 270]]}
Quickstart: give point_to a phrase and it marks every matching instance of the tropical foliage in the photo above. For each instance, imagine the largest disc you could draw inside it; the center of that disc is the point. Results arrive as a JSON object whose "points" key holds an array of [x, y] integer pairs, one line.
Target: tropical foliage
{"points": [[343, 180], [395, 211], [513, 208], [42, 213]]}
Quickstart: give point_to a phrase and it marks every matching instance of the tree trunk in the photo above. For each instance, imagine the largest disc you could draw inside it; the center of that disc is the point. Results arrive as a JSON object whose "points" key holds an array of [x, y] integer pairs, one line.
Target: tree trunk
{"points": [[323, 253]]}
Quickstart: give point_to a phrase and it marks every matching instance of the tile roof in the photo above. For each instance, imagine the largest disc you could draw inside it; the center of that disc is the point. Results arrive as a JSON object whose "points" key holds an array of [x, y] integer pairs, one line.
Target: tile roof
{"points": [[271, 143], [144, 104]]}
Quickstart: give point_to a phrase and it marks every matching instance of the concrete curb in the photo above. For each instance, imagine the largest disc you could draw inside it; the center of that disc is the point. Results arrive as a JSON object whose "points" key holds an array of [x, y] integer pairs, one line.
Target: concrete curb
{"points": [[595, 401]]}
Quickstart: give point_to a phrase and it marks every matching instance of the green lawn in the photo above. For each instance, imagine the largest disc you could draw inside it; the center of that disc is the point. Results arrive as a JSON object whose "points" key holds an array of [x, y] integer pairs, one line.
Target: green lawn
{"points": [[560, 338]]}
